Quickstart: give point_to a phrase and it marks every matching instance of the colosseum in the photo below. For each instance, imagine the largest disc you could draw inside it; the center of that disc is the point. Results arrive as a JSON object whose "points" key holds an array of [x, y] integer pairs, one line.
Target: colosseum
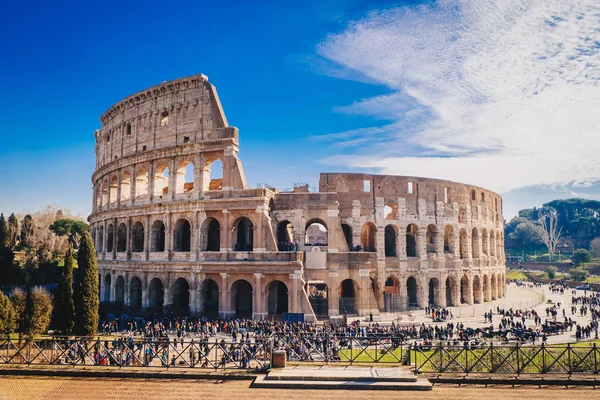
{"points": [[177, 228]]}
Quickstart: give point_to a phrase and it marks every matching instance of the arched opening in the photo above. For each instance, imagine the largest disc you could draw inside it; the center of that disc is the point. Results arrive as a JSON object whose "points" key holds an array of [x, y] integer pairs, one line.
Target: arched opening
{"points": [[484, 242], [114, 186], [110, 238], [101, 240], [164, 118], [213, 235], [122, 238], [161, 180], [391, 295], [412, 293], [367, 237], [242, 298], [104, 193], [210, 298], [494, 287], [318, 298], [277, 299], [137, 232], [390, 241], [389, 211], [434, 292], [183, 235], [141, 182], [158, 236], [348, 291], [347, 230], [431, 238], [213, 175], [285, 236], [411, 240], [181, 297], [486, 289], [475, 243], [464, 289], [462, 244], [135, 294], [156, 295], [448, 239], [476, 290], [107, 283], [316, 233], [243, 234], [449, 287], [125, 186], [185, 177], [120, 291], [462, 214], [492, 243]]}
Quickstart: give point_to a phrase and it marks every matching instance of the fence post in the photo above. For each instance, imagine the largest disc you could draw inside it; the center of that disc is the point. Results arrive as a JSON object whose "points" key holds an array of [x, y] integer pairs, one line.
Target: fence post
{"points": [[569, 358], [492, 370], [595, 359], [518, 366]]}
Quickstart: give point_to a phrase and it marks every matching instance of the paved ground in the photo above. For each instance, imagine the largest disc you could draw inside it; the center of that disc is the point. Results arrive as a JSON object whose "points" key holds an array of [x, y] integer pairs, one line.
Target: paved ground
{"points": [[100, 389]]}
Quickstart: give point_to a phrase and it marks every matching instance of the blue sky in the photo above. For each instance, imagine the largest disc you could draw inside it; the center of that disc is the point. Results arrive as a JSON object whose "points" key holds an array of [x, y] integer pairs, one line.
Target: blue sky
{"points": [[409, 88]]}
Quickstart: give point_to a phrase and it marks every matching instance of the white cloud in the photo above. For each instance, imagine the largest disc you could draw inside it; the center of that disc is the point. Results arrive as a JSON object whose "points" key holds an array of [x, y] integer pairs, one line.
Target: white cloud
{"points": [[503, 94]]}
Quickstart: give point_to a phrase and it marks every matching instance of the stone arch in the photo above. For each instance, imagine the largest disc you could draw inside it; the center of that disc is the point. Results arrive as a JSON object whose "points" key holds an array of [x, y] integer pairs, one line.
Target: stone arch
{"points": [[141, 182], [181, 297], [156, 295], [347, 231], [487, 295], [243, 234], [412, 292], [184, 182], [477, 294], [135, 294], [122, 238], [484, 242], [120, 291], [161, 180], [277, 298], [494, 287], [241, 292], [183, 235], [492, 243], [368, 237], [213, 174], [125, 185], [449, 291], [431, 238], [114, 189], [390, 235], [462, 244], [285, 233], [390, 211], [391, 295], [137, 240], [448, 239], [110, 238], [107, 284], [318, 296], [434, 292], [316, 229], [411, 240], [475, 242], [210, 298], [348, 295], [464, 290], [101, 239], [211, 229], [104, 193], [157, 240]]}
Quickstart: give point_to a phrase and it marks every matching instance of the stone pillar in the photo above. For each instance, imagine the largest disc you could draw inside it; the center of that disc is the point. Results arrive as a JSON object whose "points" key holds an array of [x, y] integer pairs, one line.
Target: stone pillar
{"points": [[167, 298], [423, 290], [469, 294], [456, 292], [401, 244], [169, 240], [132, 185], [257, 297], [145, 294], [172, 179], [126, 296], [224, 295], [364, 303], [112, 286], [295, 277], [147, 238], [102, 273], [333, 294], [441, 293], [402, 293], [421, 245], [226, 230], [151, 182]]}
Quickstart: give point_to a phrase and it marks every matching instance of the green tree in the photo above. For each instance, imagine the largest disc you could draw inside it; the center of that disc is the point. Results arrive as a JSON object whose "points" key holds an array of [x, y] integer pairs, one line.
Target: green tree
{"points": [[8, 317], [9, 272], [86, 288], [579, 274], [64, 307], [40, 312], [27, 230], [13, 231], [595, 247], [551, 271], [71, 228], [581, 256], [4, 237], [19, 300]]}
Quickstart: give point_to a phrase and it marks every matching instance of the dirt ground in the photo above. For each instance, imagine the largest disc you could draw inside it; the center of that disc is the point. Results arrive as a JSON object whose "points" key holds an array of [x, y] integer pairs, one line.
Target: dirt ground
{"points": [[31, 388]]}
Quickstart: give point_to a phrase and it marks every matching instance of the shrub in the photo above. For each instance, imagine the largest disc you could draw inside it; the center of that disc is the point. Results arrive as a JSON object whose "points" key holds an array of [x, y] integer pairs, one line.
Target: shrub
{"points": [[578, 274], [551, 271], [581, 256]]}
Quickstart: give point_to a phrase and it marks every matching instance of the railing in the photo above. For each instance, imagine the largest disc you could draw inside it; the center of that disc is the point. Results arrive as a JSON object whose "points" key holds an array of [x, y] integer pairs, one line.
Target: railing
{"points": [[208, 353]]}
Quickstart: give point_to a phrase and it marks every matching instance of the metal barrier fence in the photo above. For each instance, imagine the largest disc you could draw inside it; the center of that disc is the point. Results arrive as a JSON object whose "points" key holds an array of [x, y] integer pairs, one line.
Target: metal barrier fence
{"points": [[507, 359], [213, 353]]}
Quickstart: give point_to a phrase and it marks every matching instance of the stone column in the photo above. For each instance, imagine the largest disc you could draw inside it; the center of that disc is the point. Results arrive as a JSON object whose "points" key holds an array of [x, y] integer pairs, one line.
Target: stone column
{"points": [[456, 292], [333, 294], [402, 293], [172, 179], [401, 243], [151, 183], [421, 245], [112, 286], [423, 290], [295, 277], [132, 185], [147, 238], [126, 296], [102, 273], [167, 298], [224, 295], [226, 232], [115, 237], [257, 298]]}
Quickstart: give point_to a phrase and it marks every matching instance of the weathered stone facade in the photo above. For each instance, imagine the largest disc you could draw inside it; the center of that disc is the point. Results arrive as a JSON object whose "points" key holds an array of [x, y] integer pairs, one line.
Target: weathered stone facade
{"points": [[166, 240]]}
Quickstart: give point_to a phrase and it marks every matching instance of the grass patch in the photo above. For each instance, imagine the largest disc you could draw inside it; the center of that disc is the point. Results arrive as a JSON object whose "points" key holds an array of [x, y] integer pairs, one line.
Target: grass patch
{"points": [[512, 275]]}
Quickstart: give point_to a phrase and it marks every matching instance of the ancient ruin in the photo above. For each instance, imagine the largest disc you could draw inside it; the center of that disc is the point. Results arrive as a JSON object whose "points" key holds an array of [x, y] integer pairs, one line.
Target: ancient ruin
{"points": [[177, 228]]}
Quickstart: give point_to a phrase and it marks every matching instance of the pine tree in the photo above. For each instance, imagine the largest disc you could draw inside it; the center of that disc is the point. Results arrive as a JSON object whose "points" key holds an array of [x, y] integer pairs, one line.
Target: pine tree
{"points": [[86, 289], [64, 307], [8, 315], [13, 231], [27, 228], [4, 237]]}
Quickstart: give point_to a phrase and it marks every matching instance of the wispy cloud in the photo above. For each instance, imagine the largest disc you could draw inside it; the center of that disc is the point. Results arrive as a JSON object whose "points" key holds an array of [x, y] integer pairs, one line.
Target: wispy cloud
{"points": [[504, 94]]}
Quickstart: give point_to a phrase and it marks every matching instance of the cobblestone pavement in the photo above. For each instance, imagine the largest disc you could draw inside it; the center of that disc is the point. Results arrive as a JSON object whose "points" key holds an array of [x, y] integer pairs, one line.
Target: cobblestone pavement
{"points": [[32, 388]]}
